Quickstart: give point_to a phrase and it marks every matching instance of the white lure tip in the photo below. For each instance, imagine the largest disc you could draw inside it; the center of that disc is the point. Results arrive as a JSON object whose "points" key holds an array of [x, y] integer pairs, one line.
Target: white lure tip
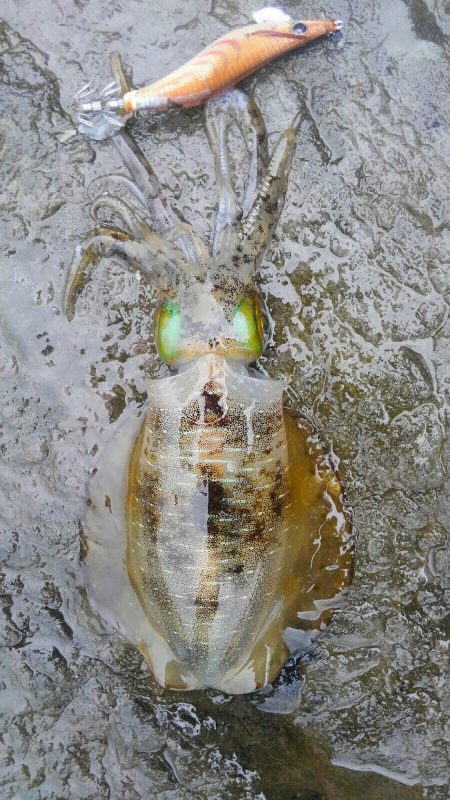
{"points": [[271, 16]]}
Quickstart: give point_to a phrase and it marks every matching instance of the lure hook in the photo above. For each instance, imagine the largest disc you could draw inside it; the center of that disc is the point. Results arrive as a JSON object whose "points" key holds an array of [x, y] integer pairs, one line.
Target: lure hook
{"points": [[109, 98]]}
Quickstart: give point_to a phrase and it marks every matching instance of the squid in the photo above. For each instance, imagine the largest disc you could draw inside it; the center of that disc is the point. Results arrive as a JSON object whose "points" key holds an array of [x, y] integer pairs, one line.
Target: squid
{"points": [[217, 537]]}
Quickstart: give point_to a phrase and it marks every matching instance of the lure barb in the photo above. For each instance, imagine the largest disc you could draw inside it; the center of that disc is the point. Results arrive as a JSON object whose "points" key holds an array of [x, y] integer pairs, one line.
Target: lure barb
{"points": [[222, 64], [109, 98]]}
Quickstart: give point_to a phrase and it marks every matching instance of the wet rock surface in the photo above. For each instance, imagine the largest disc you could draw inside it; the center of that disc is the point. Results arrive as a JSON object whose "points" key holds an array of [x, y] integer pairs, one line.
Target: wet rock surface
{"points": [[357, 283]]}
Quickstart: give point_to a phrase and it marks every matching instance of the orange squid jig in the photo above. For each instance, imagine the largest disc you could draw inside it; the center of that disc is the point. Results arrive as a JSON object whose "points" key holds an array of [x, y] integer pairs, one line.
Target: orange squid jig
{"points": [[218, 67]]}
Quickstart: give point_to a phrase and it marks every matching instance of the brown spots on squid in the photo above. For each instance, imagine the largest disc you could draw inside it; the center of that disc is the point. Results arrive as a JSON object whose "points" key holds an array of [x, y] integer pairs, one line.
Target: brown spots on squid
{"points": [[214, 410], [207, 605], [216, 497], [144, 512], [142, 485], [208, 409], [278, 492], [257, 532], [267, 428]]}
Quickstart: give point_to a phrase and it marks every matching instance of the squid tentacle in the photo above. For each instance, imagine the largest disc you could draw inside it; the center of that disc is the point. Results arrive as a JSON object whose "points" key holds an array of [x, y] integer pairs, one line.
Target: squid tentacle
{"points": [[234, 107], [106, 184], [129, 215], [258, 227], [171, 255], [228, 209], [148, 183], [167, 267], [250, 121], [118, 73], [184, 229], [157, 244], [144, 177], [98, 244]]}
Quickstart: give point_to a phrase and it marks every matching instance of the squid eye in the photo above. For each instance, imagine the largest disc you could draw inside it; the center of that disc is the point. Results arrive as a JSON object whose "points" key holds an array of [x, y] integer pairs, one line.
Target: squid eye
{"points": [[299, 28], [168, 330], [248, 325]]}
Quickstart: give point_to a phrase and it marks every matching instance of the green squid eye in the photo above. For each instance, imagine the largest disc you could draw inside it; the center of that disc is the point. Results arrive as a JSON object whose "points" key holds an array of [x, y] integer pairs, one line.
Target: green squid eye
{"points": [[168, 330], [248, 325]]}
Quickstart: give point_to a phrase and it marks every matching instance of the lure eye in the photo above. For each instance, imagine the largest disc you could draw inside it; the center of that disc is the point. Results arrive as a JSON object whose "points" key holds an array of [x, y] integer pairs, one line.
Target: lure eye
{"points": [[299, 28]]}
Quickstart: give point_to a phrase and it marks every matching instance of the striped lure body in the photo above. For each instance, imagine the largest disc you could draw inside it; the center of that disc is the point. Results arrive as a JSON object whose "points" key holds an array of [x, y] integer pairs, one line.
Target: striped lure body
{"points": [[218, 67], [216, 535], [225, 62]]}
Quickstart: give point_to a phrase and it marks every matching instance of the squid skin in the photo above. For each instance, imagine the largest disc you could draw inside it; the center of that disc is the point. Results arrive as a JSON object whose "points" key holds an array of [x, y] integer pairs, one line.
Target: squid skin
{"points": [[217, 538], [218, 67]]}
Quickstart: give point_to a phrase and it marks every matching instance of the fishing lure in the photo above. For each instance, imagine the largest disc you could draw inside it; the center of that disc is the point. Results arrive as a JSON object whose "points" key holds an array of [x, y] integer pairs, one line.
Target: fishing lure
{"points": [[217, 539], [221, 65]]}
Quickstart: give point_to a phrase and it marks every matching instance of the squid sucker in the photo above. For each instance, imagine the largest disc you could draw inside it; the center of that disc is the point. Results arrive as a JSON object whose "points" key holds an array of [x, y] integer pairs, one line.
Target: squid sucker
{"points": [[218, 67], [216, 535]]}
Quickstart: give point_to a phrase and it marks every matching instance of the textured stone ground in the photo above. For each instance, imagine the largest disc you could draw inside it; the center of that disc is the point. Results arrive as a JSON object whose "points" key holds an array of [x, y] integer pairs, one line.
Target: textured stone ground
{"points": [[356, 281]]}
